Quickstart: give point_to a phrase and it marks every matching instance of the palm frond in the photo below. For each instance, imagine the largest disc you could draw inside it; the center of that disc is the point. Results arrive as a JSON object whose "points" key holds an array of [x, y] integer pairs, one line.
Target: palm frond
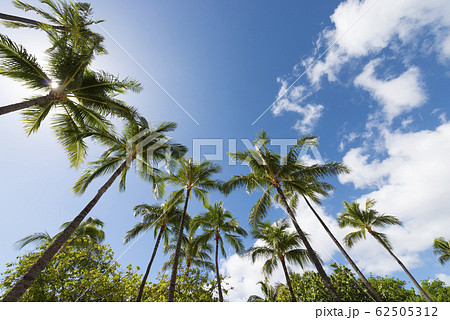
{"points": [[69, 135], [442, 248], [260, 209], [16, 63], [99, 168], [38, 238], [353, 237]]}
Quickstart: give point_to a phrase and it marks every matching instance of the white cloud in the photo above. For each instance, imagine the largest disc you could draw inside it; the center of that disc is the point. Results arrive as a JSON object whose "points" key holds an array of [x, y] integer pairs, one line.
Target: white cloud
{"points": [[319, 239], [289, 98], [406, 122], [413, 183], [397, 95], [445, 49], [347, 138], [244, 276], [363, 173], [444, 277], [292, 101], [311, 114], [361, 29]]}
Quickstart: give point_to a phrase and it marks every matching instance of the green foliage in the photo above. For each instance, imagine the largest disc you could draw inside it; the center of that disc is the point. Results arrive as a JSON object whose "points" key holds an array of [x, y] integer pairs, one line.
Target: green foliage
{"points": [[270, 292], [91, 274], [218, 224], [193, 285], [192, 253], [272, 173], [436, 289], [80, 97], [66, 24], [278, 244], [393, 290], [139, 143], [310, 288], [88, 274], [442, 248], [365, 220], [91, 228]]}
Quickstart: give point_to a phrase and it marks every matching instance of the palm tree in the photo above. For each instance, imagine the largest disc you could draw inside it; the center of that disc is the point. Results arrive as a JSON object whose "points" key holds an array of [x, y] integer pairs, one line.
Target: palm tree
{"points": [[311, 188], [279, 245], [163, 219], [367, 220], [271, 172], [442, 247], [67, 24], [90, 229], [139, 145], [81, 97], [192, 253], [192, 177], [218, 223], [372, 291], [270, 292], [13, 20]]}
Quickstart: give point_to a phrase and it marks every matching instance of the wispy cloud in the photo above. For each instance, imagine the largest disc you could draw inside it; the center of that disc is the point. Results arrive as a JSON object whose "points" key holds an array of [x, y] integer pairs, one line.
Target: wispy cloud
{"points": [[397, 95], [292, 101], [390, 24]]}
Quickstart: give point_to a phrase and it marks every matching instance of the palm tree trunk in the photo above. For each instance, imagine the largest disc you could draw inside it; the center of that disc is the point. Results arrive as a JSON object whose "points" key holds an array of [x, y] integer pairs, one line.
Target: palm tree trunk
{"points": [[26, 104], [353, 264], [144, 279], [404, 268], [311, 253], [288, 280], [29, 21], [173, 277], [28, 278], [219, 287]]}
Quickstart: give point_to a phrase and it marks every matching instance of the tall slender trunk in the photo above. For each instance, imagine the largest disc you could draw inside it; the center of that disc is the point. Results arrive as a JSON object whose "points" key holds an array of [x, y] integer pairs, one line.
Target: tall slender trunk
{"points": [[353, 264], [219, 287], [311, 253], [28, 278], [26, 104], [144, 279], [288, 280], [404, 268], [173, 277], [5, 16]]}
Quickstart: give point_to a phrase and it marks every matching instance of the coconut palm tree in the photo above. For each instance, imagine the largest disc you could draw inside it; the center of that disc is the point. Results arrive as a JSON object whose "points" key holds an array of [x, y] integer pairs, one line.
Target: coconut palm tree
{"points": [[90, 229], [15, 20], [366, 220], [270, 292], [270, 172], [192, 177], [81, 97], [163, 219], [66, 24], [139, 144], [218, 224], [312, 188], [442, 248], [191, 253], [279, 245]]}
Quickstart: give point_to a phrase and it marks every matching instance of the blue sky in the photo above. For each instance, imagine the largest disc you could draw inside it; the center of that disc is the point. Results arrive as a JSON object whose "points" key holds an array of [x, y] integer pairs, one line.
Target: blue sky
{"points": [[369, 79]]}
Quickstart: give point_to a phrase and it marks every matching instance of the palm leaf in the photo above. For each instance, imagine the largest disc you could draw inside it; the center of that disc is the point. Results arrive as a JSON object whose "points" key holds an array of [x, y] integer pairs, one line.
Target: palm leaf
{"points": [[16, 63]]}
